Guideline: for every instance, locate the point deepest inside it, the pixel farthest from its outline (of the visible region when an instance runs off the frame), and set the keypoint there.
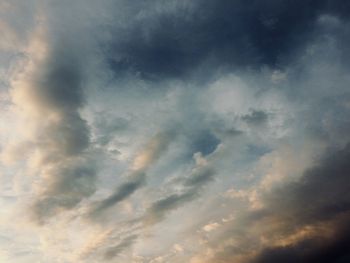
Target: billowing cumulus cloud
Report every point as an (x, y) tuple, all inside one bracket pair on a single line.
[(174, 131)]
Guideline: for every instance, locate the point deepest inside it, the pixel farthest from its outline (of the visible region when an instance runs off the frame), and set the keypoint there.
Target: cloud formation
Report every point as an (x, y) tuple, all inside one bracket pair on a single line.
[(137, 176), (176, 40), (174, 131), (49, 92), (320, 197)]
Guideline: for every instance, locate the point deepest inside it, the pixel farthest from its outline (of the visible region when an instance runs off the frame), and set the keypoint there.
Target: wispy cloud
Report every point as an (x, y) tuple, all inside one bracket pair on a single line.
[(174, 131)]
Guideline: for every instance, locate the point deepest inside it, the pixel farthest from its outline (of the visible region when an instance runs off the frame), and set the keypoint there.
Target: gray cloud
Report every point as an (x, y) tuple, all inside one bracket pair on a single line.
[(311, 250), (64, 142), (230, 82), (114, 251), (122, 192), (175, 42), (256, 117), (322, 190), (69, 182), (107, 127), (51, 91), (199, 178), (318, 201), (17, 20), (320, 196), (137, 178), (193, 185), (158, 210)]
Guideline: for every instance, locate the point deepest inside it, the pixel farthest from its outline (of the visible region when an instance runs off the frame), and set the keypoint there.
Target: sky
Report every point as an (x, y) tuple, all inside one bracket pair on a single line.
[(175, 131)]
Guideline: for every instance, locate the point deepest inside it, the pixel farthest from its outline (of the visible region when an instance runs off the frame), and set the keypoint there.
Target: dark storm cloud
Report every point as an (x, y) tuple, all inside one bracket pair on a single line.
[(233, 34), (321, 194), (320, 198), (335, 250)]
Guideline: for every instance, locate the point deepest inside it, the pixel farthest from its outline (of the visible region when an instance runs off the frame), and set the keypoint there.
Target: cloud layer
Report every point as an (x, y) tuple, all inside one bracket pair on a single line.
[(175, 131)]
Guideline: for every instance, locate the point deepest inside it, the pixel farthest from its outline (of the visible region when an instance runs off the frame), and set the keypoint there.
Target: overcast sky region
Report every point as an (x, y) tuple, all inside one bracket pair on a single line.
[(175, 131)]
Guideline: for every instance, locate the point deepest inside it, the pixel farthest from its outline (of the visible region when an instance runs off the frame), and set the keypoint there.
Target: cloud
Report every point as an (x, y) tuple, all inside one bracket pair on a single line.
[(210, 227), (157, 211), (122, 192), (67, 184), (178, 39), (320, 197), (107, 127), (184, 131), (256, 117), (124, 244), (151, 152), (305, 220), (322, 190), (199, 177), (49, 92), (16, 22), (310, 251), (192, 184)]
